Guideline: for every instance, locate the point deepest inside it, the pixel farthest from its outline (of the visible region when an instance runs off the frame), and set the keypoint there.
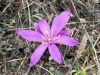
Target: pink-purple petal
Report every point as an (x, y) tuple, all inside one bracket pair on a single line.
[(60, 21), (36, 26), (44, 27), (66, 32), (30, 35), (55, 54), (36, 55), (66, 40)]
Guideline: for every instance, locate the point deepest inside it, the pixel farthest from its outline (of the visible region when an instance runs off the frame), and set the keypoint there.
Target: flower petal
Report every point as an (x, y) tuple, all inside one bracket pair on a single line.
[(66, 32), (30, 35), (66, 40), (55, 54), (37, 54), (36, 25), (60, 21), (44, 27)]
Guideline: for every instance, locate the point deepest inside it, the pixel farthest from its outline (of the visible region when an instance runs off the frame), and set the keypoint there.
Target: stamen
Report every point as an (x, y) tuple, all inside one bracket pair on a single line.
[(58, 36), (42, 42), (42, 37), (49, 39), (52, 31)]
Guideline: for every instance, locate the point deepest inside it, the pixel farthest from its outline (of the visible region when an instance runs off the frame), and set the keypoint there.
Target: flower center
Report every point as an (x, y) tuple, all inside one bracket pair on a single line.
[(46, 40), (49, 39)]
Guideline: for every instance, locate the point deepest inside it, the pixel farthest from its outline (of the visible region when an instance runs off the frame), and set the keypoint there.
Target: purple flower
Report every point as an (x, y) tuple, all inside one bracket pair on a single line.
[(49, 36)]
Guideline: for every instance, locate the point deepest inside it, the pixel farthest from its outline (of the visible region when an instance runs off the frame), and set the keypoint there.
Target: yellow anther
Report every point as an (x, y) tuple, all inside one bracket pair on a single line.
[(42, 42), (49, 39), (52, 31), (42, 37), (58, 36)]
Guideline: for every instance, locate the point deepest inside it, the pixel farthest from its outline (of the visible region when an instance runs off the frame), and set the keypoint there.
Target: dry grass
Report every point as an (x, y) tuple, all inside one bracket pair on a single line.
[(21, 14)]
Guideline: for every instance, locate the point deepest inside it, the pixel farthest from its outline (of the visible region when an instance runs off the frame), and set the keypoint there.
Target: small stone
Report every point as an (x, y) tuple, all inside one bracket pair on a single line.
[(50, 58)]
